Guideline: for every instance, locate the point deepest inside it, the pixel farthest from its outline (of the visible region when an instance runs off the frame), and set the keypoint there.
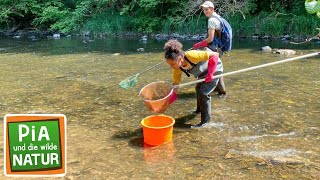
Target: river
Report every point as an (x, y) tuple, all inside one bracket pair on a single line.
[(267, 127)]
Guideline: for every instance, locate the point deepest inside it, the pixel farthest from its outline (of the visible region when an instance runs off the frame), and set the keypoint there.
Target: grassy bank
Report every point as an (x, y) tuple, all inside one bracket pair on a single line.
[(273, 25), (262, 24)]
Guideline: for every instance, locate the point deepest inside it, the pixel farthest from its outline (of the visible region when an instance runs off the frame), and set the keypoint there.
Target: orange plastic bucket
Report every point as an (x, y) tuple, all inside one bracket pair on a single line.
[(157, 129)]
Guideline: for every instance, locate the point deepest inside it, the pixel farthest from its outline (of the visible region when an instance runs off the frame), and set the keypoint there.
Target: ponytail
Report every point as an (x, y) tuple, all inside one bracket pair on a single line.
[(173, 49)]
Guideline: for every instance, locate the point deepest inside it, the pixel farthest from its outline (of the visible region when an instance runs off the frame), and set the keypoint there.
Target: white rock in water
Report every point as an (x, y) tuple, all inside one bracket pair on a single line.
[(140, 50), (295, 160), (266, 49), (56, 36), (285, 51), (266, 37), (144, 38)]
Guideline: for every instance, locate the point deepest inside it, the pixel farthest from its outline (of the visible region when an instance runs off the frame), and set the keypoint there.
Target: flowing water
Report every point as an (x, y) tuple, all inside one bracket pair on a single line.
[(267, 127)]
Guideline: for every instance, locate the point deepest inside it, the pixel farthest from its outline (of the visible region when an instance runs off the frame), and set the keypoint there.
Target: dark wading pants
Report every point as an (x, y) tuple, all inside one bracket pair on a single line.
[(203, 91), (220, 88)]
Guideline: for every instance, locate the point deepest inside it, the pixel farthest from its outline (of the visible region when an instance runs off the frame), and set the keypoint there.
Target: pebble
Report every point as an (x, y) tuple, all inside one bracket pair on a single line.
[(140, 49)]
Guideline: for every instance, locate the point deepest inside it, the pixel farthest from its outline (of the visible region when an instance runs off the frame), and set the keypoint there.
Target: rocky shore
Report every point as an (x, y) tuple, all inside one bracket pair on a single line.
[(36, 34)]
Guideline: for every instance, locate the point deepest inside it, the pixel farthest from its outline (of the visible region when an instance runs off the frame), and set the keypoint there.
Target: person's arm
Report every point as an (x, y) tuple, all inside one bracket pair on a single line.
[(176, 76), (205, 42), (210, 35), (212, 65), (176, 80), (213, 25)]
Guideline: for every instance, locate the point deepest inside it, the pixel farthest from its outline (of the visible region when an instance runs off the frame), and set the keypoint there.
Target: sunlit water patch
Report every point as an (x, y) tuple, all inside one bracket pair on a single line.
[(252, 138)]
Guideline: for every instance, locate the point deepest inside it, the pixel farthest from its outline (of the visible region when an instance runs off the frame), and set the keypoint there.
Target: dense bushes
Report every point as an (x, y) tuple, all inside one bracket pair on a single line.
[(275, 25), (265, 17)]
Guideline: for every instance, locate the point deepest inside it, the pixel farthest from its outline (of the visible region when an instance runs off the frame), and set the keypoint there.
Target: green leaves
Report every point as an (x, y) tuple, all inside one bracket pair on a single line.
[(149, 4), (116, 16)]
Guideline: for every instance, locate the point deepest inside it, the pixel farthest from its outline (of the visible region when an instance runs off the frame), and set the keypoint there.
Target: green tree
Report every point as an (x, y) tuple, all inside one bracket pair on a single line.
[(148, 16)]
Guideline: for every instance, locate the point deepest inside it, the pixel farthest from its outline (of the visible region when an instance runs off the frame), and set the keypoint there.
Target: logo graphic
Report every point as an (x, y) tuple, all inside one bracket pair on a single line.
[(35, 144)]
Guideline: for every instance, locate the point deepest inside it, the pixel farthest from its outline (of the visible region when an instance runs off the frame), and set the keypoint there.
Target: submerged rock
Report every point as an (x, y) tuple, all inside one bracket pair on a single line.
[(230, 155), (287, 160), (285, 51), (268, 49)]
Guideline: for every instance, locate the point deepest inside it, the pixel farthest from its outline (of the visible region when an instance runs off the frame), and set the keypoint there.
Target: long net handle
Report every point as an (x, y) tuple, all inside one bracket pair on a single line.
[(155, 65), (250, 68), (151, 67)]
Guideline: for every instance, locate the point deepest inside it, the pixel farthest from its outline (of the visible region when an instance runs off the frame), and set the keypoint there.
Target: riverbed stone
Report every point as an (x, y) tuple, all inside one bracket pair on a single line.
[(230, 155), (144, 38), (140, 49), (266, 49), (284, 51), (287, 160), (287, 37), (266, 37), (56, 36)]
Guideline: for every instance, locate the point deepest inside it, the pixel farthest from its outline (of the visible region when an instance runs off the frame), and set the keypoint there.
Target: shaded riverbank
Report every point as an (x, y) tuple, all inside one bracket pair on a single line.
[(35, 34)]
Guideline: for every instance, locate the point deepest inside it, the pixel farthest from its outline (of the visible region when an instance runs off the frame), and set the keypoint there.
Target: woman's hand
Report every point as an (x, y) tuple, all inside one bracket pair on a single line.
[(200, 44), (175, 90)]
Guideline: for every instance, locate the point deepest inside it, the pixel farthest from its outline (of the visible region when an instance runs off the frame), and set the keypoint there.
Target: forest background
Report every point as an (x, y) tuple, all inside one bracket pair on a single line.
[(116, 17)]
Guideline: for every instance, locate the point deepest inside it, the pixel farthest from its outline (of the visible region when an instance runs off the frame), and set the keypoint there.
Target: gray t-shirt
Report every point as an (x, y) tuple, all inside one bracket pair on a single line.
[(201, 69), (214, 23)]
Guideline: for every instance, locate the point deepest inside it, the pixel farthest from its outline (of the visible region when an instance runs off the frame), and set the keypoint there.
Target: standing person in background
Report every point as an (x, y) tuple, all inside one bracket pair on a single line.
[(214, 30), (202, 64)]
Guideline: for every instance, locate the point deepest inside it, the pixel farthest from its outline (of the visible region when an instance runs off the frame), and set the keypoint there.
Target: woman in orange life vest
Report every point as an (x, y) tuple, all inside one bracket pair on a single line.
[(214, 27), (202, 64)]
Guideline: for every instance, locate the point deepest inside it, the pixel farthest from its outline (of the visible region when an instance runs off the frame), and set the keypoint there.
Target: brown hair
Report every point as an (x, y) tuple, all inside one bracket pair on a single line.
[(173, 49)]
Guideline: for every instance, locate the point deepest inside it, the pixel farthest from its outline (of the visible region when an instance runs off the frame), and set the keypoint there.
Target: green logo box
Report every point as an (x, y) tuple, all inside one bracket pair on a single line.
[(35, 144)]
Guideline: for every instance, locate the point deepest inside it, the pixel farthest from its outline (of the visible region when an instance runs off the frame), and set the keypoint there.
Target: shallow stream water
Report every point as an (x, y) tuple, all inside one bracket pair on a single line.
[(267, 127)]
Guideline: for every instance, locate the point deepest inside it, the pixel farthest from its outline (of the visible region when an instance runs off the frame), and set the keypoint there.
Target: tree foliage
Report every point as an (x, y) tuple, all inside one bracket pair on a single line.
[(139, 15)]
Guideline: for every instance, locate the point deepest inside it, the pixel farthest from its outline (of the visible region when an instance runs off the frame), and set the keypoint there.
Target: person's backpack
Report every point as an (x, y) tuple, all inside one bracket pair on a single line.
[(225, 41)]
